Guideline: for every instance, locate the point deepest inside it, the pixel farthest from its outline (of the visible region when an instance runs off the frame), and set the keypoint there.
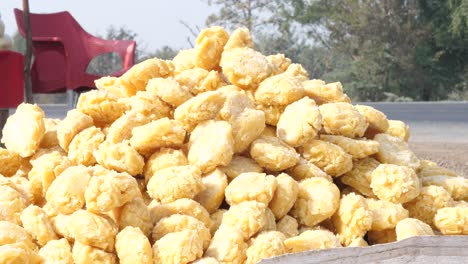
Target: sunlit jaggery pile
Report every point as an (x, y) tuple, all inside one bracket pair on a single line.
[(222, 155)]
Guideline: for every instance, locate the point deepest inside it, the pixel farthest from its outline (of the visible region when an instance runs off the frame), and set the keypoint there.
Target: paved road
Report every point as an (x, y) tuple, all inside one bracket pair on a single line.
[(441, 122)]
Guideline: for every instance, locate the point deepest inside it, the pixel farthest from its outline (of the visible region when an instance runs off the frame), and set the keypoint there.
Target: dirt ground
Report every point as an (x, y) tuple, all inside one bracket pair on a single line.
[(449, 155)]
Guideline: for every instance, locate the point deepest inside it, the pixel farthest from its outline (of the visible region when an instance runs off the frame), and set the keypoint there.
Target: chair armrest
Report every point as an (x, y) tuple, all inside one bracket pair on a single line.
[(47, 39), (125, 49)]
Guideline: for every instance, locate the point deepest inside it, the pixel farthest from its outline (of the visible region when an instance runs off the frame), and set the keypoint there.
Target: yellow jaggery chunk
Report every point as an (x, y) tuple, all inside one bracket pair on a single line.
[(169, 91), (67, 191), (235, 103), (358, 148), (136, 214), (325, 93), (12, 204), (396, 184), (191, 208), (300, 121), (343, 119), (37, 223), (24, 130), (183, 206), (411, 227), (110, 84), (11, 233), (206, 260), (381, 237), (93, 230), (393, 150), (19, 184), (318, 199), (398, 129), (17, 253), (209, 46), (249, 217), (273, 154), (285, 195), (132, 246), (50, 139), (184, 60), (329, 157), (57, 251), (298, 71), (266, 245), (378, 122), (452, 220), (178, 248), (240, 38), (157, 134), (310, 240), (212, 196), (272, 113), (460, 204), (149, 105), (74, 122), (202, 107), (430, 168), (270, 221), (425, 206), (385, 214), (251, 186), (105, 193), (245, 67), (456, 186), (358, 242), (172, 183), (288, 226), (211, 145), (47, 165), (199, 80), (239, 165), (216, 218), (103, 107), (305, 169), (279, 62), (164, 158), (246, 127), (11, 162), (83, 254), (137, 77), (179, 222), (228, 246), (360, 176), (83, 145), (61, 223), (121, 129), (281, 89), (353, 218), (120, 157)]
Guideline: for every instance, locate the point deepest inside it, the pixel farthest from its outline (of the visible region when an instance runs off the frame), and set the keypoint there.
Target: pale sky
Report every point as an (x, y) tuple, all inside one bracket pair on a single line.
[(155, 21)]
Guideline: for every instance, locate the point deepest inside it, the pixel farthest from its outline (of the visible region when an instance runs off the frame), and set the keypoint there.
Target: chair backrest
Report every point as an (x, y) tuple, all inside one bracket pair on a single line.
[(11, 79), (59, 26), (57, 38)]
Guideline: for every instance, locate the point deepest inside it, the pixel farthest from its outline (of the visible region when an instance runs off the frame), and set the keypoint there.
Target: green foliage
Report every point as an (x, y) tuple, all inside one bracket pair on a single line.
[(252, 14), (380, 50)]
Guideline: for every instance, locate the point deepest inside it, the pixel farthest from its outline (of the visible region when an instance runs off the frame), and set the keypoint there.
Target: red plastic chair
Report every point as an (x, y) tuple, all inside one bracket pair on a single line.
[(11, 79), (62, 50)]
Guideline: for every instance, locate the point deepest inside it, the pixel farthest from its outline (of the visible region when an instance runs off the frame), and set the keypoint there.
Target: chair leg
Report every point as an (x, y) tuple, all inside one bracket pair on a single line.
[(71, 98), (4, 113)]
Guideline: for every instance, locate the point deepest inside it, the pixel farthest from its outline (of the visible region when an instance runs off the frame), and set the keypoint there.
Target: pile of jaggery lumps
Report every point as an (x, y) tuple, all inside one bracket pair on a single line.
[(222, 155)]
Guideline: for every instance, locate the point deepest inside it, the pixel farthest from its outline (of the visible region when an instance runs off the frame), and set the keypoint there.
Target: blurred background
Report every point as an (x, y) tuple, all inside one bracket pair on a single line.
[(390, 50)]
